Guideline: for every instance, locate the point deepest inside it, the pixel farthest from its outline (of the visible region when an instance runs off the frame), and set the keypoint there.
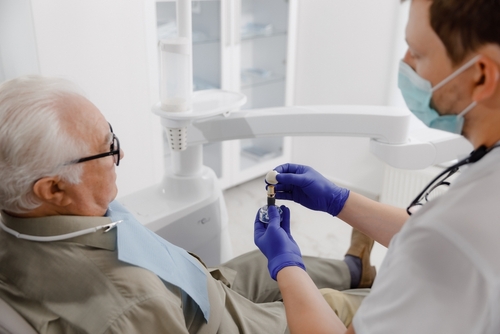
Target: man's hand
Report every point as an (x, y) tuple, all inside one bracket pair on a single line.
[(276, 243), (304, 185)]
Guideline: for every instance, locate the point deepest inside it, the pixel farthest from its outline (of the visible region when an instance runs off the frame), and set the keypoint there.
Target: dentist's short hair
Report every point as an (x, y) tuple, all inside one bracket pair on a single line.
[(33, 140), (465, 26)]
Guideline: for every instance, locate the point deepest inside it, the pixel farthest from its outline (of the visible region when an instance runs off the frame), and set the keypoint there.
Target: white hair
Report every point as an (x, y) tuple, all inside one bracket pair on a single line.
[(33, 141)]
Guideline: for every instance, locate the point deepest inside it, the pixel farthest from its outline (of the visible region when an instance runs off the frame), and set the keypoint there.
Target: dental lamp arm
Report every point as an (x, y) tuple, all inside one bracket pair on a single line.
[(387, 124), (388, 127)]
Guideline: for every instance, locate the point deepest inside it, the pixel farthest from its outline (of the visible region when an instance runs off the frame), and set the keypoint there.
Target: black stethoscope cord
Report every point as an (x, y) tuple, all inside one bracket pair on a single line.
[(475, 156)]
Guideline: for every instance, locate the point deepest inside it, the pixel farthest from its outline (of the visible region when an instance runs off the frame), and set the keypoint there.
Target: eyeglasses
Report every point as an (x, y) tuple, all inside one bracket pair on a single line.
[(114, 151), (440, 180)]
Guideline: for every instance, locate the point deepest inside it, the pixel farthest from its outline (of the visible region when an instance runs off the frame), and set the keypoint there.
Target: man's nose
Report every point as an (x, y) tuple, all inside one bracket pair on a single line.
[(408, 59)]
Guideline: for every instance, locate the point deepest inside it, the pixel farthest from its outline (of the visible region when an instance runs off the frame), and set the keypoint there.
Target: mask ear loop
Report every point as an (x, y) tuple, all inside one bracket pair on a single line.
[(456, 73), (469, 108)]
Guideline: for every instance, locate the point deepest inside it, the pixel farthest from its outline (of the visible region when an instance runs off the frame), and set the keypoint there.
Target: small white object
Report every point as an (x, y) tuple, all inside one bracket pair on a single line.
[(271, 177), (177, 138), (205, 104), (264, 215), (175, 75)]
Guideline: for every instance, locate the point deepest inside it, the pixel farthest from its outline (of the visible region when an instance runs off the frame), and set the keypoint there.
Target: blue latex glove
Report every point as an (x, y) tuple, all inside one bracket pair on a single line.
[(304, 185), (276, 243)]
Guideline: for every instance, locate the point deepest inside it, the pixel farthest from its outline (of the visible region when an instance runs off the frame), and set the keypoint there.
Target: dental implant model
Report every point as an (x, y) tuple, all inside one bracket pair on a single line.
[(271, 197)]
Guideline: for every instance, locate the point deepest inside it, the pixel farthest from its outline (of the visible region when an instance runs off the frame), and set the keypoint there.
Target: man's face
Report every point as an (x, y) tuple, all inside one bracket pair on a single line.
[(97, 187), (427, 56)]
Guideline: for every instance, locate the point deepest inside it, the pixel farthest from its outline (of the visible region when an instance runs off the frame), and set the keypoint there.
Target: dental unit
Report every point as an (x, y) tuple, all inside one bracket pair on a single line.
[(187, 207)]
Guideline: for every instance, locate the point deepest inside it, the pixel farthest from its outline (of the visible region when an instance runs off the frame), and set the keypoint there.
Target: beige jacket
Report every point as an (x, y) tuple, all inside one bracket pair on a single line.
[(79, 286)]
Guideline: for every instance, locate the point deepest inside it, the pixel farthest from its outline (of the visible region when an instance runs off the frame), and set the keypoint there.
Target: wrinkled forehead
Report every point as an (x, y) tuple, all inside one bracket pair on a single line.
[(82, 119)]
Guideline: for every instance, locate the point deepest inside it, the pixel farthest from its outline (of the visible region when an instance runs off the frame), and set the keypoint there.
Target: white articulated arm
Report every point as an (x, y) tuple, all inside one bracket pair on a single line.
[(387, 124), (388, 127), (424, 147)]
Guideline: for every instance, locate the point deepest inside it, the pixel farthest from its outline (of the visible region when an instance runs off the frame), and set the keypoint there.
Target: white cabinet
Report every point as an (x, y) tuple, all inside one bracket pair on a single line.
[(246, 46)]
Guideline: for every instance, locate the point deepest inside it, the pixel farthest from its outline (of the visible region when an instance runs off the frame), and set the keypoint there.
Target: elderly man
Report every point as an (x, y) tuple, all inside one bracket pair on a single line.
[(70, 256), (441, 273)]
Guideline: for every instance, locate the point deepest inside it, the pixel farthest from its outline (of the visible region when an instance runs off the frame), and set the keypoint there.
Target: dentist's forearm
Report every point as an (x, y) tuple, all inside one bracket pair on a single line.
[(306, 309), (379, 221)]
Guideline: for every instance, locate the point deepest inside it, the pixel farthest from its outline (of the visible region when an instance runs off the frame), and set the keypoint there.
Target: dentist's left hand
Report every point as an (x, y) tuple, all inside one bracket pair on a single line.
[(276, 242)]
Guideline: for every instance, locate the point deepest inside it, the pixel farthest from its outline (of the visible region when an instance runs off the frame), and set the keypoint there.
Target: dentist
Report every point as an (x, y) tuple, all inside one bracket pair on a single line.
[(441, 273)]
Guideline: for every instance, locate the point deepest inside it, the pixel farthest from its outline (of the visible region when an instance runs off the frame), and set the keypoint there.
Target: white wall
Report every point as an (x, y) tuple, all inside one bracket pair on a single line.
[(18, 55), (346, 55), (101, 45)]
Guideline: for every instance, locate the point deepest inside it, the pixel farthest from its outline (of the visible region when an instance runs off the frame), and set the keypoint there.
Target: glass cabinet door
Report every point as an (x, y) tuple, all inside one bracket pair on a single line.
[(206, 21), (238, 45), (264, 39)]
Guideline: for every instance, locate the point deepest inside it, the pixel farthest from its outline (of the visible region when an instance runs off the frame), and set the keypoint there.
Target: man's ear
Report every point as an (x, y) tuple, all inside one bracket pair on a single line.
[(486, 78), (51, 190)]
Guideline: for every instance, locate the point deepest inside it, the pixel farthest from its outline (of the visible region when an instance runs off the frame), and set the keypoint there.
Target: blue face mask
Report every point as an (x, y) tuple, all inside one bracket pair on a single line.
[(417, 93)]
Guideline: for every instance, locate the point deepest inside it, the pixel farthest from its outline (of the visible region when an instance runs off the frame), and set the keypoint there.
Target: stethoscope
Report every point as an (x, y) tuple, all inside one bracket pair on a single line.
[(473, 157)]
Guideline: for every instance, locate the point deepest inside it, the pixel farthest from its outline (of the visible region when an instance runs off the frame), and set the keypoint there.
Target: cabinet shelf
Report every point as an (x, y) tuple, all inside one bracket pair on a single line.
[(193, 1), (207, 41), (256, 81), (252, 77), (168, 30), (253, 36), (256, 153), (200, 84)]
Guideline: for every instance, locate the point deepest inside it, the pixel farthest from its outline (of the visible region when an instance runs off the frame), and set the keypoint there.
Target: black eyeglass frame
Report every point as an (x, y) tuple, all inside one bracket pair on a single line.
[(419, 200), (103, 155), (473, 157)]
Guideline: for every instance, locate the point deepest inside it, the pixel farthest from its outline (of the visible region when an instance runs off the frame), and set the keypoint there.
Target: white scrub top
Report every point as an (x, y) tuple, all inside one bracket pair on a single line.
[(441, 273)]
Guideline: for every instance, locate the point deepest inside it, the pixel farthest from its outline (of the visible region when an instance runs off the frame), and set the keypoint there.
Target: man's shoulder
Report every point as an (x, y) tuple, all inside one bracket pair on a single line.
[(50, 276)]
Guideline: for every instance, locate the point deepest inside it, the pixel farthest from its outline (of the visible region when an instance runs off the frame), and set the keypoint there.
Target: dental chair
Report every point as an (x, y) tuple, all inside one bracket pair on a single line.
[(11, 322)]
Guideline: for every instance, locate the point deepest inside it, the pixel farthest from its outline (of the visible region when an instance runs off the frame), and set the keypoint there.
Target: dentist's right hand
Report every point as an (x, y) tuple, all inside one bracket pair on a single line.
[(304, 185)]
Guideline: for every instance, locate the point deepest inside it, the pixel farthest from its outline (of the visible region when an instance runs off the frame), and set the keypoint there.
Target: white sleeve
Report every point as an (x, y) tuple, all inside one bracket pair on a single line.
[(428, 285)]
